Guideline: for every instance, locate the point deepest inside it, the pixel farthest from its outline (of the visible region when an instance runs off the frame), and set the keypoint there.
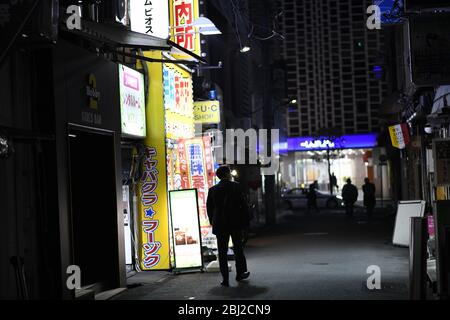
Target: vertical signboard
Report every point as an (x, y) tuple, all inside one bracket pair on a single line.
[(132, 102), (183, 13), (441, 149), (150, 17), (186, 229), (178, 102), (197, 172), (154, 243)]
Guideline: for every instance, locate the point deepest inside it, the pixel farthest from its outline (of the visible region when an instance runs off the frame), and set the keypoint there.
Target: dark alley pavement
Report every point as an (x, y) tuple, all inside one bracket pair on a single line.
[(320, 256)]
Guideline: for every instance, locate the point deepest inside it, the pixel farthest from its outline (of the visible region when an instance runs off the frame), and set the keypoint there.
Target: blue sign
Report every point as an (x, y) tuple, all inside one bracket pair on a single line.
[(354, 141), (391, 10)]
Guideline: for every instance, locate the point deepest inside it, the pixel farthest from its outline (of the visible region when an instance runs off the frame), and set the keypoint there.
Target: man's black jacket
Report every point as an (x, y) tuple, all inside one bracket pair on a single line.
[(227, 207)]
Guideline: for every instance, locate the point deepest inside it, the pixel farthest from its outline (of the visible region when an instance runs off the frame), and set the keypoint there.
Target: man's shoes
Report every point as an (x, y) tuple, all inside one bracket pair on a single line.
[(225, 283), (242, 276)]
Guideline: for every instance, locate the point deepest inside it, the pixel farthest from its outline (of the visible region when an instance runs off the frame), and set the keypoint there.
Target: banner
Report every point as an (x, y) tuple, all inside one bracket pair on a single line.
[(186, 229), (154, 245), (399, 135), (207, 112), (183, 13)]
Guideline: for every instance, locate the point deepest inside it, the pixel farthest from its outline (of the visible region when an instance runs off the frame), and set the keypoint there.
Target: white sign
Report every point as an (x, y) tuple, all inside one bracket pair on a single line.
[(132, 102), (150, 17), (405, 211), (317, 144), (186, 229)]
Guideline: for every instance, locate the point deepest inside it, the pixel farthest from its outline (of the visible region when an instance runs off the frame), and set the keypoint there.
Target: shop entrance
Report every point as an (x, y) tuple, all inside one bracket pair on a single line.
[(93, 207)]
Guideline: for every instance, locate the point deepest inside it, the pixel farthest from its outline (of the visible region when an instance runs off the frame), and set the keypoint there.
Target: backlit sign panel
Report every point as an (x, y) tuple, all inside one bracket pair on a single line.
[(132, 102), (355, 141), (150, 17)]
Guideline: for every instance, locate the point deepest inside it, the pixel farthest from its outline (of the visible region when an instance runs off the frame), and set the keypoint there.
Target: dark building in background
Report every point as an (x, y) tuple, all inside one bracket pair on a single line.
[(334, 66), (245, 83)]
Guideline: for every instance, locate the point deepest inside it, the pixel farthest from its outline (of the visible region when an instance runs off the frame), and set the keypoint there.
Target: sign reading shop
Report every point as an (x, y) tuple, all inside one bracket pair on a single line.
[(150, 17)]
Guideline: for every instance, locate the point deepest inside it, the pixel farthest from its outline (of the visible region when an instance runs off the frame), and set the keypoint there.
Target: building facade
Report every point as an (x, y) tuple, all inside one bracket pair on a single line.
[(334, 66)]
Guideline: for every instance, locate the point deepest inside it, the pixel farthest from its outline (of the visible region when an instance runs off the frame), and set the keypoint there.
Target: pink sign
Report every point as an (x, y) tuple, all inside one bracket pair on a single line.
[(130, 81), (431, 230)]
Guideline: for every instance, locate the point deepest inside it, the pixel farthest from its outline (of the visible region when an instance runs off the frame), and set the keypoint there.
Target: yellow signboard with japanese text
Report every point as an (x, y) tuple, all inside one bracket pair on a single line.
[(154, 241), (178, 102), (183, 13), (207, 112)]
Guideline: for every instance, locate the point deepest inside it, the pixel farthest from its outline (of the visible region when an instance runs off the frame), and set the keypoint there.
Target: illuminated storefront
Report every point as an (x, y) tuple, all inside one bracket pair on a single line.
[(350, 156), (175, 157)]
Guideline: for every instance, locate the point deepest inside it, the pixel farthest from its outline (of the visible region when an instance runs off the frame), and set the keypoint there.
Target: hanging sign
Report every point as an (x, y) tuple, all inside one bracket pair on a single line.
[(150, 17), (207, 112), (132, 102), (183, 15), (399, 135)]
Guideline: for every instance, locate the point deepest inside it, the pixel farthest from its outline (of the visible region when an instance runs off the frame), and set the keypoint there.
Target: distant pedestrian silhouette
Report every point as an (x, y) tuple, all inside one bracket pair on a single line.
[(349, 195), (229, 216), (312, 197), (333, 182), (369, 197)]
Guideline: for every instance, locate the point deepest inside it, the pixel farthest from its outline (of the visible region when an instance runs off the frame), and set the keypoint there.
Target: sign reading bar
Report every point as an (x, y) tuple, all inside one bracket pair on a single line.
[(186, 229), (132, 102), (207, 112), (150, 17)]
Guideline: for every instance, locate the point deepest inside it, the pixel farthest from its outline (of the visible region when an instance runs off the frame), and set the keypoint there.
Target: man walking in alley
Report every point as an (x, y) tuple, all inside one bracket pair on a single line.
[(369, 197), (349, 195), (228, 214)]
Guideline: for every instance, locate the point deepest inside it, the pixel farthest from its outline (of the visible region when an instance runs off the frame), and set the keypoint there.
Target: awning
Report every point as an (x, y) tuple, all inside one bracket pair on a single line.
[(442, 98), (116, 36), (440, 113)]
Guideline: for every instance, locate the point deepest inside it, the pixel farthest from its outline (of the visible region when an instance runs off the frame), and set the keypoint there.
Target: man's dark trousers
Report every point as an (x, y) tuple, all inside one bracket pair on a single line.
[(222, 245)]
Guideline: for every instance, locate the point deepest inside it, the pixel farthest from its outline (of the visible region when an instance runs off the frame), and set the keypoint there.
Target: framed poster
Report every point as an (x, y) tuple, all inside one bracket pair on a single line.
[(187, 246)]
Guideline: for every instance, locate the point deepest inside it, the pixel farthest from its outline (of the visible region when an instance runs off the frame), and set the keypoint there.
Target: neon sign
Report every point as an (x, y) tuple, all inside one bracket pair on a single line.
[(354, 141)]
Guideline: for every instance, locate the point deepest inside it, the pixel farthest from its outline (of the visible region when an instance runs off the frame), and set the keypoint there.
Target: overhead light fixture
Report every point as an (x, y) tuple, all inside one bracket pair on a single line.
[(205, 27), (293, 101), (245, 49), (209, 31), (203, 22)]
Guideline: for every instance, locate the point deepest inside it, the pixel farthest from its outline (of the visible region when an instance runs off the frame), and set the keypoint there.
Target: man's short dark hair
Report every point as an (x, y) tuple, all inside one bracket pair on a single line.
[(223, 172)]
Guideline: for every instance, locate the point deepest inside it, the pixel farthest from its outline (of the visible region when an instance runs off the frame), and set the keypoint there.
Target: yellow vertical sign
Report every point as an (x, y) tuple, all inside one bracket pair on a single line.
[(154, 244), (393, 134), (183, 13)]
